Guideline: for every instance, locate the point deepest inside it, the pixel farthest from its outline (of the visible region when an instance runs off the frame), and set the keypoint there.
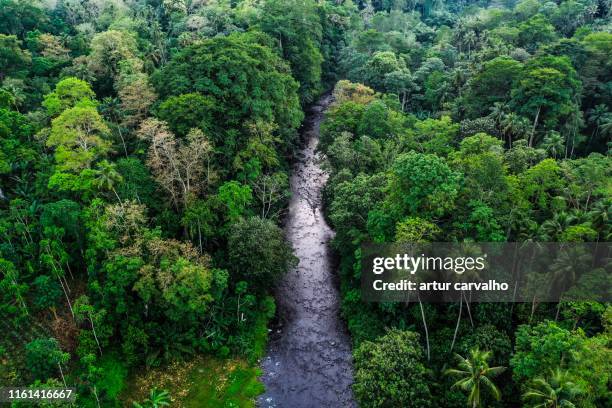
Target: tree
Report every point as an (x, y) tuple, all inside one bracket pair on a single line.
[(546, 92), (415, 229), (435, 136), (272, 191), (12, 57), (258, 252), (352, 200), (535, 32), (44, 357), (408, 193), (491, 85), (47, 292), (556, 390), (235, 199), (79, 136), (137, 96), (11, 290), (83, 310), (107, 177), (541, 348), (296, 26), (182, 168), (475, 377), (18, 17), (389, 372), (349, 91), (553, 143), (378, 66), (68, 93), (400, 82), (112, 52), (247, 81), (187, 111)]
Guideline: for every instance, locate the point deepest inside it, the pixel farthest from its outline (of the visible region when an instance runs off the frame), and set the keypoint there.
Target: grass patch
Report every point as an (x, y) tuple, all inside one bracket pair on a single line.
[(225, 383), (205, 382)]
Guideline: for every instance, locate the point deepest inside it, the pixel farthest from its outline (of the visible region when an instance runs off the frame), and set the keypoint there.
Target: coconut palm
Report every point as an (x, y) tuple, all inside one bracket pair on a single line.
[(513, 126), (498, 111), (107, 177), (599, 216), (555, 391), (470, 40), (553, 227), (605, 128), (475, 377), (553, 143), (597, 116)]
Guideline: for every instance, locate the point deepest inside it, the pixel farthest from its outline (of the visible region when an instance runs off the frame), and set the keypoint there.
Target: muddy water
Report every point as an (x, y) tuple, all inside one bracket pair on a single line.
[(309, 357)]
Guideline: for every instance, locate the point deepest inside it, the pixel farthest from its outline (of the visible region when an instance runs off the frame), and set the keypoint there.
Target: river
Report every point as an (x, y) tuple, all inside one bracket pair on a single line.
[(309, 354)]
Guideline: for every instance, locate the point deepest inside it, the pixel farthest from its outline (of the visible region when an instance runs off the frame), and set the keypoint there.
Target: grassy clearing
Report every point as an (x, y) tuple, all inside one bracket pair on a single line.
[(205, 382)]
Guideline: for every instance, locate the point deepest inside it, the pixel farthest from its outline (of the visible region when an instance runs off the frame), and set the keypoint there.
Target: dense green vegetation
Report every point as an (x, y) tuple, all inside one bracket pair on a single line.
[(144, 157), (465, 123)]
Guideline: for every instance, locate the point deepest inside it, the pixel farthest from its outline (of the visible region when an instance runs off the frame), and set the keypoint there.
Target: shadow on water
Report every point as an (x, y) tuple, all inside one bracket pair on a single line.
[(309, 354)]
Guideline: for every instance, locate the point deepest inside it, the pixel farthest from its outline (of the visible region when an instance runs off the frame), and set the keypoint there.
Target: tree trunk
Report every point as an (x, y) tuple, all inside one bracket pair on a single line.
[(93, 329), (117, 195), (425, 326), (122, 141), (66, 294), (62, 373), (96, 395), (199, 236), (467, 305), (458, 322), (535, 123)]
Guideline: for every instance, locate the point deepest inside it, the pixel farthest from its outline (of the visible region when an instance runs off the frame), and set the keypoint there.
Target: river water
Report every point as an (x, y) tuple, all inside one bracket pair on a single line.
[(309, 355)]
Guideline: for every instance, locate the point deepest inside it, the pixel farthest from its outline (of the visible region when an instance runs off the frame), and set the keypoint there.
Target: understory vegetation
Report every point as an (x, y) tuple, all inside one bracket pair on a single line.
[(145, 150)]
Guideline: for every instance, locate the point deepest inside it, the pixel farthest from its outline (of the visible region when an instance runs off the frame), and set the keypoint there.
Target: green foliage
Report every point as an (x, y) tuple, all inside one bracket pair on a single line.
[(421, 184), (235, 199), (47, 292), (390, 372), (44, 357), (296, 25), (475, 377), (541, 348), (68, 93), (258, 253), (114, 376), (12, 57), (485, 121), (555, 390), (245, 80), (492, 84), (184, 112), (79, 136)]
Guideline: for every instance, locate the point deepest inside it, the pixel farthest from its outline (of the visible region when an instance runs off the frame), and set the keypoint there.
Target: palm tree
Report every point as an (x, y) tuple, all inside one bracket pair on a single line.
[(597, 117), (599, 216), (606, 125), (553, 143), (556, 391), (553, 227), (107, 177), (513, 126), (157, 398), (470, 39), (476, 376), (498, 111)]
